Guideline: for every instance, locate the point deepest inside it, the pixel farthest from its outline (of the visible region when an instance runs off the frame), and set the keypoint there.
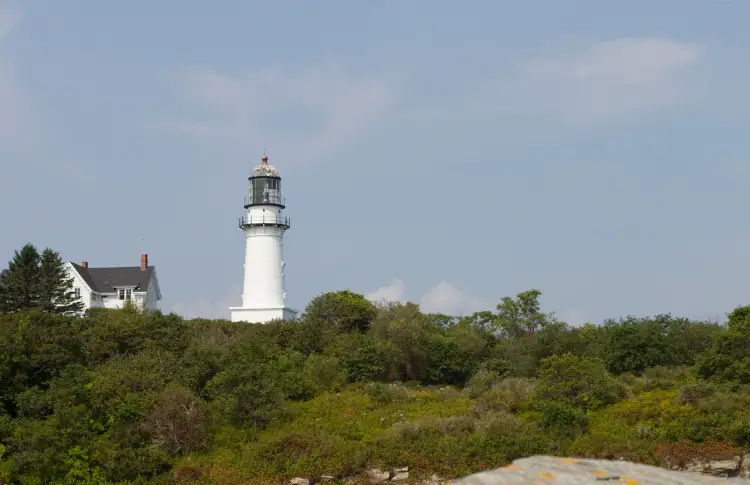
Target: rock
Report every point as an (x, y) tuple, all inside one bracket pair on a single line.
[(299, 481), (326, 478), (718, 468), (569, 471), (399, 476), (724, 468), (745, 466), (376, 475)]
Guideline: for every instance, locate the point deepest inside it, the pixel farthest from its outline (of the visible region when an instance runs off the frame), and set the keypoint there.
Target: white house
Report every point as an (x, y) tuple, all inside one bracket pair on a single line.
[(111, 287)]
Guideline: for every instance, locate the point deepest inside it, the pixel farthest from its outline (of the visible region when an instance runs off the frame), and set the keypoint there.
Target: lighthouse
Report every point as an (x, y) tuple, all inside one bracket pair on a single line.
[(263, 225)]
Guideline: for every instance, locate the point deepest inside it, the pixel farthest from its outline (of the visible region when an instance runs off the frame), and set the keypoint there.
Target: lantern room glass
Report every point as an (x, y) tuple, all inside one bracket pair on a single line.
[(264, 190)]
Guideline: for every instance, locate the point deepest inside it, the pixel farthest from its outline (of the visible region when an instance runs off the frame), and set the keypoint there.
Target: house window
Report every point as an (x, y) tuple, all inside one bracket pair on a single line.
[(77, 292), (125, 294)]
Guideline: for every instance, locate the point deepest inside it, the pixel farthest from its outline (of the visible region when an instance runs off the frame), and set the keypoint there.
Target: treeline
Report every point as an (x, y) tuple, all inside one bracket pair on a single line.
[(126, 396)]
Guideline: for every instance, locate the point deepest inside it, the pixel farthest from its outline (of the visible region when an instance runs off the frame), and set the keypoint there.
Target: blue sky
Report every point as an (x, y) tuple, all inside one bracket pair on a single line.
[(448, 153)]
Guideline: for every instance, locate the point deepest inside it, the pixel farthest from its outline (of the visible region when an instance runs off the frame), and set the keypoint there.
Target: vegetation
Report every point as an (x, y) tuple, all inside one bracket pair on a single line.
[(133, 397), (33, 280)]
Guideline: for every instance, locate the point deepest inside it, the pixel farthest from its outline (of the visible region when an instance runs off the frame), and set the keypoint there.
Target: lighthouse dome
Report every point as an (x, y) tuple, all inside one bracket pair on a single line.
[(265, 169)]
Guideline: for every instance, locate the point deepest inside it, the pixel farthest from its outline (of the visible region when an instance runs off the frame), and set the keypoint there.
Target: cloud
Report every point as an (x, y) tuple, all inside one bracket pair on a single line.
[(203, 308), (295, 114), (14, 102), (603, 81), (394, 291), (447, 299), (442, 298)]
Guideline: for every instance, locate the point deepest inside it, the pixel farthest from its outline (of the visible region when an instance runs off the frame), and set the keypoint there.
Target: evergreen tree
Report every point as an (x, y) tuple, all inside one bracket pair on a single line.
[(20, 283), (56, 287), (3, 291)]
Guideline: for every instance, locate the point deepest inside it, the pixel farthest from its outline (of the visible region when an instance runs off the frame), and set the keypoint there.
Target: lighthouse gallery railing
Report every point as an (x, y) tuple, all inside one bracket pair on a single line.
[(277, 221)]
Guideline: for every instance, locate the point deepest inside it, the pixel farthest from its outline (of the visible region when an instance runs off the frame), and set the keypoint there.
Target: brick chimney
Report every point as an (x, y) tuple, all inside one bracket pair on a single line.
[(85, 265), (144, 261)]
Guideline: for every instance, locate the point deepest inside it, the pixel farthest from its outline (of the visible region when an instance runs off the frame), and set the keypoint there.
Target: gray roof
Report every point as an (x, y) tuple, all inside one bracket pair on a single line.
[(105, 280)]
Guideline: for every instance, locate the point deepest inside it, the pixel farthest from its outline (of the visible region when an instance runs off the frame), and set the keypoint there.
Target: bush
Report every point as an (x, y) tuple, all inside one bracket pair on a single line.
[(343, 310), (178, 422), (510, 395), (677, 455), (728, 360), (325, 373), (581, 382), (386, 394), (562, 420), (482, 382), (693, 393)]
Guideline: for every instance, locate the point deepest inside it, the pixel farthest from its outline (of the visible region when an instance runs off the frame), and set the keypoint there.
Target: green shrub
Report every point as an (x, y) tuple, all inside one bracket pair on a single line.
[(562, 420), (386, 394), (511, 394), (581, 382), (325, 372), (482, 382)]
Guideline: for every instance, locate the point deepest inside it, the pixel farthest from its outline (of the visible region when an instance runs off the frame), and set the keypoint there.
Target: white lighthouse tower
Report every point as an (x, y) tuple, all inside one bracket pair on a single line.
[(263, 296)]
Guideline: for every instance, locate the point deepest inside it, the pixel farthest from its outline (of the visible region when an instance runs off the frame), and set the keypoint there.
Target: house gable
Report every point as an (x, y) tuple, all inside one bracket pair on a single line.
[(155, 284), (79, 273)]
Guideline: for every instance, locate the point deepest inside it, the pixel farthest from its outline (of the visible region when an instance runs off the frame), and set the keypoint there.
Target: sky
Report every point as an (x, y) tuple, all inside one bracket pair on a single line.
[(446, 153)]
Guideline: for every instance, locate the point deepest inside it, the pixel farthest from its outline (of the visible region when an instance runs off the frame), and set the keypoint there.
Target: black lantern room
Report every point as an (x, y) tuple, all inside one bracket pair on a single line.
[(264, 186)]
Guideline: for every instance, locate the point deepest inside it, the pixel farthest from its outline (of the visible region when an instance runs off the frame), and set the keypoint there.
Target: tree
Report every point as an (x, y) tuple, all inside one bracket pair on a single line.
[(728, 359), (3, 291), (344, 310), (56, 288), (178, 422), (33, 281), (20, 283), (407, 331), (522, 315), (581, 382), (633, 344)]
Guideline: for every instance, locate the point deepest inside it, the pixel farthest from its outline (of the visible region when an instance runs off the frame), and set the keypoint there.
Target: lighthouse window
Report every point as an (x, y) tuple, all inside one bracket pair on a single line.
[(264, 190)]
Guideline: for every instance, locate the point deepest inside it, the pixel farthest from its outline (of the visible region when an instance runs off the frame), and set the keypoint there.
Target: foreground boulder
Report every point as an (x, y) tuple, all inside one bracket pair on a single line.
[(563, 471)]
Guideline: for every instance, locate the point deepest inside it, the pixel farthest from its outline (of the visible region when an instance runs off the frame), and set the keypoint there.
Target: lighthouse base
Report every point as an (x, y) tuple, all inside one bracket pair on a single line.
[(261, 315)]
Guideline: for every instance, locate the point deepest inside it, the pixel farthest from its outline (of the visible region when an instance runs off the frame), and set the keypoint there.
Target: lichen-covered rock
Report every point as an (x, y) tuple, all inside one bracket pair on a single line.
[(376, 475), (717, 468), (566, 471), (745, 466)]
